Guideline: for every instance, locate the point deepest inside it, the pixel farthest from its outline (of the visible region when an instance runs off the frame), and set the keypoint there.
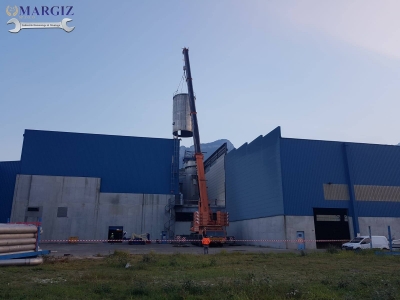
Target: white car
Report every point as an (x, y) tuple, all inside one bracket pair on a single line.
[(364, 242)]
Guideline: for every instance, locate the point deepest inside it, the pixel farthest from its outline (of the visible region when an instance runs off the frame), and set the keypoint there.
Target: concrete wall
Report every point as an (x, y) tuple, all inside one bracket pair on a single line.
[(216, 182), (300, 223), (350, 221), (138, 213), (89, 212), (270, 228), (379, 226), (78, 194)]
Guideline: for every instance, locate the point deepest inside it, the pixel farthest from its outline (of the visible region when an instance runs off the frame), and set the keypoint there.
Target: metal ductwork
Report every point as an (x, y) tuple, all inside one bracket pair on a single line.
[(22, 262), (16, 236), (17, 228), (19, 245), (17, 241), (17, 248)]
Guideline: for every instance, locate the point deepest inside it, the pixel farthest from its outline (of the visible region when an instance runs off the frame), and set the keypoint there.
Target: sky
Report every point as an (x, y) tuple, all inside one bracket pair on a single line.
[(324, 70)]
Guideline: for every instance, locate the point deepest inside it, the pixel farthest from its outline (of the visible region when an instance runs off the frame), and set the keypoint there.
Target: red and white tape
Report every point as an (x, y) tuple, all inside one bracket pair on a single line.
[(183, 241)]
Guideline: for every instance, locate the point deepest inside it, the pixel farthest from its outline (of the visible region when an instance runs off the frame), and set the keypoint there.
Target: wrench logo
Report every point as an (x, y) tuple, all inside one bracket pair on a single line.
[(39, 25)]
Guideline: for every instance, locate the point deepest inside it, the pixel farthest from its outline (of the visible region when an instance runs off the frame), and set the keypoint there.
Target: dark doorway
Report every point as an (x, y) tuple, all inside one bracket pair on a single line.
[(115, 233), (331, 224)]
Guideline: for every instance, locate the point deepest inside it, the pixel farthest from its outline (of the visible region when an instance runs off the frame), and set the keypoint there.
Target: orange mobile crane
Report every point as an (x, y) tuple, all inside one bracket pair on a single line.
[(204, 221)]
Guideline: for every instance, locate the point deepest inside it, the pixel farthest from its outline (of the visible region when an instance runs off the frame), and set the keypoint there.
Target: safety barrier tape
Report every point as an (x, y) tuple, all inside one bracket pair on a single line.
[(184, 241)]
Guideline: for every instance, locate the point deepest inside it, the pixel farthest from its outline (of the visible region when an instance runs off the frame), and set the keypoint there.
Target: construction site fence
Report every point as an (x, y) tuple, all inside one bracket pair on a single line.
[(177, 241)]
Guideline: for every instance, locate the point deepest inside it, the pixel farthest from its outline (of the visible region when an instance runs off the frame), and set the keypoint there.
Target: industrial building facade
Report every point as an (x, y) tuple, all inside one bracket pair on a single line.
[(84, 184), (275, 189), (283, 189)]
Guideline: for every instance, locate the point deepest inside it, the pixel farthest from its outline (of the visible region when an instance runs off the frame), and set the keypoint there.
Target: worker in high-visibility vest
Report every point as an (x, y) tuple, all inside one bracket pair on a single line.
[(112, 238), (206, 243)]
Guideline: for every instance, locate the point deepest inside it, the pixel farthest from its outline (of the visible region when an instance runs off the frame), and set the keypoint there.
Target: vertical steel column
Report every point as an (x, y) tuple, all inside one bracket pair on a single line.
[(370, 237), (353, 204), (390, 239)]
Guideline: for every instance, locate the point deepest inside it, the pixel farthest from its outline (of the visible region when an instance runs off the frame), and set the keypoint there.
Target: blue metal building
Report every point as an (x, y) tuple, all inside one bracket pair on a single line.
[(322, 189), (8, 173), (124, 164), (134, 165)]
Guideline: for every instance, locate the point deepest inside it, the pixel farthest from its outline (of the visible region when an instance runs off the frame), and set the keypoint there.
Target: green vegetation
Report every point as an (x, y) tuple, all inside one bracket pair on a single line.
[(317, 275)]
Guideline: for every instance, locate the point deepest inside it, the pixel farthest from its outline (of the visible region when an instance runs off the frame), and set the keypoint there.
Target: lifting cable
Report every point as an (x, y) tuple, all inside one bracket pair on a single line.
[(180, 83)]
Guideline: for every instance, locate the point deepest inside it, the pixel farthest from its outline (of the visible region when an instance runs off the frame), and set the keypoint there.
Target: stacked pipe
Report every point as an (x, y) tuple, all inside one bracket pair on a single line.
[(18, 238)]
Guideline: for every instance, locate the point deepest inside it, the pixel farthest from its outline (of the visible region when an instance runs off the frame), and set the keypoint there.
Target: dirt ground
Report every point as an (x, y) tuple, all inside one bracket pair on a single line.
[(95, 249)]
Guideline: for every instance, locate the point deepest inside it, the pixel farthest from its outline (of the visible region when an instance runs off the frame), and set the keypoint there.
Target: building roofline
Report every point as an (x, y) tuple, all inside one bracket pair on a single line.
[(95, 134), (327, 141)]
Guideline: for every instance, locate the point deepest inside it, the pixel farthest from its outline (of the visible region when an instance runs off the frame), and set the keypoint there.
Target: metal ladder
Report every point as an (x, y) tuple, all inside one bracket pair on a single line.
[(170, 207), (170, 211), (175, 167)]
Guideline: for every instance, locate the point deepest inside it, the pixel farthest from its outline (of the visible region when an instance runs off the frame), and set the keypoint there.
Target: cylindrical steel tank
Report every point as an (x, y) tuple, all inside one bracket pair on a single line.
[(181, 118), (190, 186)]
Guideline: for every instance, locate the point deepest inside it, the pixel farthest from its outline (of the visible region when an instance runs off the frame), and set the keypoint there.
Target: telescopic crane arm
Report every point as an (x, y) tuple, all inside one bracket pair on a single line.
[(204, 209), (203, 219)]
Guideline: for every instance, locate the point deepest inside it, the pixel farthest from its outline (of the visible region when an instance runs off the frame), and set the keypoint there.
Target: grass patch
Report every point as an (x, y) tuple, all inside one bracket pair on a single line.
[(316, 275), (118, 259), (332, 249)]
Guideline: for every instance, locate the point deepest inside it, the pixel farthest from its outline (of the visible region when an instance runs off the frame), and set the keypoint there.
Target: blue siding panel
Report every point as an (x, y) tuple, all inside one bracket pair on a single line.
[(8, 174), (124, 164), (307, 165), (253, 179), (375, 165)]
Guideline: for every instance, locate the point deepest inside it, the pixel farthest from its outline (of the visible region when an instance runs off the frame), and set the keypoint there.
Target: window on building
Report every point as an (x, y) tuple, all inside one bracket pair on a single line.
[(33, 208), (183, 217), (62, 212)]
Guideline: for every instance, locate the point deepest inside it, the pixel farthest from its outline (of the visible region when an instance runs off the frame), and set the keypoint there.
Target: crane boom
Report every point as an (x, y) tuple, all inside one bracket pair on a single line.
[(192, 104), (203, 219)]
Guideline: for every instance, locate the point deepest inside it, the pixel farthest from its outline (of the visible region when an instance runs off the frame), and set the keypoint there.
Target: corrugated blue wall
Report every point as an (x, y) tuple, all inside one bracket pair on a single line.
[(8, 174), (253, 179), (307, 165), (124, 164), (375, 165)]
